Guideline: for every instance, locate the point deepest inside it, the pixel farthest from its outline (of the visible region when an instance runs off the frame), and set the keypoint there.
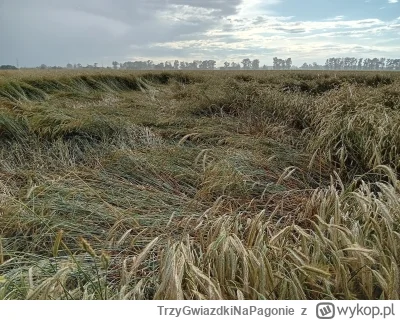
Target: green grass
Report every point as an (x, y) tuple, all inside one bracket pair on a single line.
[(199, 185)]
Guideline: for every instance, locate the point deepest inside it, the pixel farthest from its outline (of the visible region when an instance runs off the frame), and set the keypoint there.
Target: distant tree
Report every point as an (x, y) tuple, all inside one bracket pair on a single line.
[(338, 63), (128, 65), (382, 62), (350, 63), (282, 64), (150, 64), (346, 63), (235, 66), (393, 64), (8, 67), (328, 64), (226, 65), (275, 63), (43, 66), (367, 64), (288, 63), (375, 63), (137, 65), (359, 65), (196, 64), (246, 63), (115, 64), (211, 64), (159, 66), (176, 64), (255, 64), (354, 63), (168, 65), (203, 65), (304, 66), (69, 66)]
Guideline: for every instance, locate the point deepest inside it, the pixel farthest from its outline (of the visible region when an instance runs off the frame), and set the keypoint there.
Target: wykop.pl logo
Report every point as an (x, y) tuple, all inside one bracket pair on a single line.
[(325, 310)]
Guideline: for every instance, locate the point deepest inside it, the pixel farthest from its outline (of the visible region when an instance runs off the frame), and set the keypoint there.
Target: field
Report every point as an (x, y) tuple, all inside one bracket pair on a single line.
[(199, 185)]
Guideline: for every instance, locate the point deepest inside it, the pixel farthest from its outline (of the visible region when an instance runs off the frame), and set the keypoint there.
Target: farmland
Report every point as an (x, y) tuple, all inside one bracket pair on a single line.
[(199, 185)]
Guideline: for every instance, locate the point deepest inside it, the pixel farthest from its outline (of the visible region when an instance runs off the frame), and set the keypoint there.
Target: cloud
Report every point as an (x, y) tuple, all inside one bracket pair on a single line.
[(337, 18), (58, 32), (393, 1), (272, 35), (252, 8)]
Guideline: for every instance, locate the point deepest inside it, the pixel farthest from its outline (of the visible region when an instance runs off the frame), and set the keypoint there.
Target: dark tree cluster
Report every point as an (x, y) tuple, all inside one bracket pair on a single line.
[(44, 67), (349, 63), (167, 65), (8, 67), (282, 64), (247, 65)]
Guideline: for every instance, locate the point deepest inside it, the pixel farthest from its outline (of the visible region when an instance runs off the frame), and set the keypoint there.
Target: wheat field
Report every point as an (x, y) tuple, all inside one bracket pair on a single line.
[(199, 185)]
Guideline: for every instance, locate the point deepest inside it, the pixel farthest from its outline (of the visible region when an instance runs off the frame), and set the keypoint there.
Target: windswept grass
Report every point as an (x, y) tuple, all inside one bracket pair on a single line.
[(199, 185)]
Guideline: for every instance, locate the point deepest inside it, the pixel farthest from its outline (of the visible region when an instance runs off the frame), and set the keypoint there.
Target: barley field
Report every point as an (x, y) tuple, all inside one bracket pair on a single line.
[(199, 185)]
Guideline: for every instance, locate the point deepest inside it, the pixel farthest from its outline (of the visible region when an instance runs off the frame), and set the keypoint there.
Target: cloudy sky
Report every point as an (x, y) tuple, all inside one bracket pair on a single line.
[(55, 32)]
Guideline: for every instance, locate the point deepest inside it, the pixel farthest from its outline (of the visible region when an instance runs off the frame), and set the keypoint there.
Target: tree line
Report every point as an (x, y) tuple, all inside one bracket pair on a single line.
[(246, 64), (344, 63), (351, 63)]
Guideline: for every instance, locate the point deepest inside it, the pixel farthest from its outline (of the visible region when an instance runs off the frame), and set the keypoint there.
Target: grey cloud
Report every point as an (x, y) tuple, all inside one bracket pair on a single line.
[(227, 27), (225, 7), (55, 32), (259, 20), (291, 30)]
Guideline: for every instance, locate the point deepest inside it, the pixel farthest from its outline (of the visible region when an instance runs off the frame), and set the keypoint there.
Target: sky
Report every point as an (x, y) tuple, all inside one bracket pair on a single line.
[(57, 32)]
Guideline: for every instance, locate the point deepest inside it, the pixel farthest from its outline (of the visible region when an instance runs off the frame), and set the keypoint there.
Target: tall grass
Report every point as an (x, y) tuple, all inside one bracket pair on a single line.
[(208, 185)]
